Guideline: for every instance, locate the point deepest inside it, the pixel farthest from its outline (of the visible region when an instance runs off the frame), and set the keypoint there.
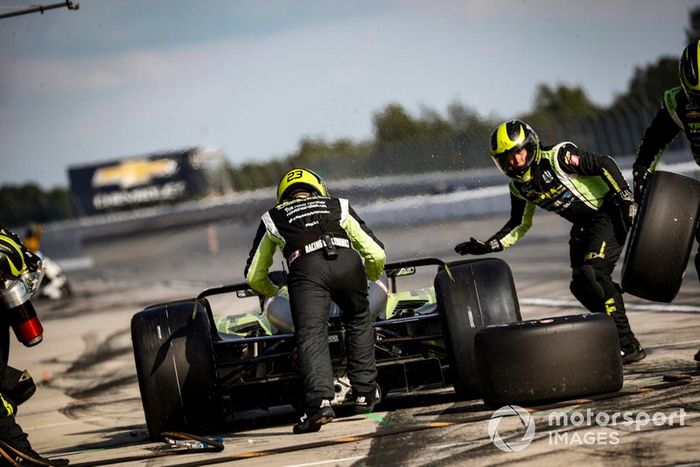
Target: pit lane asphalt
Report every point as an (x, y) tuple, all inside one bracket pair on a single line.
[(87, 406)]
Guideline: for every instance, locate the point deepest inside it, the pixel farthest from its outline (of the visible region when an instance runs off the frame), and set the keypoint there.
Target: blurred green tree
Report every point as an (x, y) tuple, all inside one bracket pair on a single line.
[(26, 204), (393, 125)]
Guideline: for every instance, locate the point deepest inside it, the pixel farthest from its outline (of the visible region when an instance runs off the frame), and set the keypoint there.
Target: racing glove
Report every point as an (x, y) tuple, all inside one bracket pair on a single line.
[(624, 201), (477, 247), (640, 176), (279, 278)]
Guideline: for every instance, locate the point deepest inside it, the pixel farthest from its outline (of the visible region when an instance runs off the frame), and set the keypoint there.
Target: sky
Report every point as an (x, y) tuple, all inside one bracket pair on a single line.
[(124, 78)]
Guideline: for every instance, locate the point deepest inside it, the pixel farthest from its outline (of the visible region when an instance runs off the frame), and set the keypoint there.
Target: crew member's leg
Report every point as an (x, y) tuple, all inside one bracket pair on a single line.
[(13, 440), (350, 293), (594, 253), (584, 285), (309, 296), (15, 388), (10, 431)]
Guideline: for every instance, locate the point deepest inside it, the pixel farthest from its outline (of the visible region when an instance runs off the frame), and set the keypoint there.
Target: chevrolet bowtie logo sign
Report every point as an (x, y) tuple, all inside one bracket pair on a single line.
[(133, 172)]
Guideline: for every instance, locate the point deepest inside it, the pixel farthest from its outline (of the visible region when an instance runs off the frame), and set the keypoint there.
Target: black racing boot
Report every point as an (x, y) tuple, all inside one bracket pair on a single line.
[(313, 419), (365, 402), (632, 354), (25, 456)]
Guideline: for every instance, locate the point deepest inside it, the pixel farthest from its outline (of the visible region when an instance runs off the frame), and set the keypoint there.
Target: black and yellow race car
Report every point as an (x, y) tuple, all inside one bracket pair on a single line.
[(204, 361)]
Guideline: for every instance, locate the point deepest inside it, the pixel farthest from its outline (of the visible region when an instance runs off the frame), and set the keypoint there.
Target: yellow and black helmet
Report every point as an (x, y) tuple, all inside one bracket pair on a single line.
[(509, 137), (12, 255), (689, 72), (300, 179)]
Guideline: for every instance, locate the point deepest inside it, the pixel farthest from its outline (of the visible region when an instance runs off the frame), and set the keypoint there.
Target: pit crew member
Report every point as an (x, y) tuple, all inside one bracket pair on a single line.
[(324, 242), (19, 278), (586, 189), (680, 111)]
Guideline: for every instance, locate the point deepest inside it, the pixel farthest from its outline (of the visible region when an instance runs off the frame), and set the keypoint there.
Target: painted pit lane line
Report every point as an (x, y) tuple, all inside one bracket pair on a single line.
[(568, 303), (331, 461), (450, 445)]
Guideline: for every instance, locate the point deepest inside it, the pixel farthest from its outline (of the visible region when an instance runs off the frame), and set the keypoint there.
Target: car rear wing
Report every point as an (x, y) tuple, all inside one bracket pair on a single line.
[(406, 267)]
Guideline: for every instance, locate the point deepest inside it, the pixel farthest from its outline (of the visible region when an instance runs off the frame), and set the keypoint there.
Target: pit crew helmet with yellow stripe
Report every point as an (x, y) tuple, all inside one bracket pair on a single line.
[(510, 137), (12, 256), (297, 180), (689, 72)]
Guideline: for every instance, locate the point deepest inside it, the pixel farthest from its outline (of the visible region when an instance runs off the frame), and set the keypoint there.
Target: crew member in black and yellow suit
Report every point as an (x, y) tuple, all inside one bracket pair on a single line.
[(680, 111), (586, 189), (18, 271), (324, 242)]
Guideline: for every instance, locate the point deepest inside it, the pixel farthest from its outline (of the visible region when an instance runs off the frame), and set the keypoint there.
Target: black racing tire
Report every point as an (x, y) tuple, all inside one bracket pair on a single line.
[(482, 293), (662, 237), (548, 359), (177, 377)]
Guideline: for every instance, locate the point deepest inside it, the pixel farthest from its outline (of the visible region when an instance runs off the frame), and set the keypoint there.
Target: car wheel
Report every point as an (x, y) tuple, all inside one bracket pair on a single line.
[(482, 293), (548, 359), (175, 367), (662, 237)]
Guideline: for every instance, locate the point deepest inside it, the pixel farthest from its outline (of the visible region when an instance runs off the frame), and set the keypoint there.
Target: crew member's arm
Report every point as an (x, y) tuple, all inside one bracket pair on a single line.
[(573, 160), (363, 240), (663, 129), (259, 262), (521, 212)]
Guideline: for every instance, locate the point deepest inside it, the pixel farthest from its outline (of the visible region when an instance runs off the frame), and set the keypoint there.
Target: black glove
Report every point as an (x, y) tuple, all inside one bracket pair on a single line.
[(624, 201), (279, 278), (476, 247), (640, 175)]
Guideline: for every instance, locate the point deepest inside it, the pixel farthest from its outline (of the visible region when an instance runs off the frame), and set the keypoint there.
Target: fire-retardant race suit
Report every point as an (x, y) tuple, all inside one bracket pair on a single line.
[(323, 241), (586, 189), (18, 275), (680, 111)]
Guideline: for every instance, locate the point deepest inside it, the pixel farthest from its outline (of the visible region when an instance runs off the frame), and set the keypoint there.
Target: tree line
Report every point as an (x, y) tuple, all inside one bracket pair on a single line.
[(404, 144)]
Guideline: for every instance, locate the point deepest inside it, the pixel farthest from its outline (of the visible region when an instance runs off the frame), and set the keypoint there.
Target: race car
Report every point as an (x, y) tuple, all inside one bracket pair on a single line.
[(203, 361)]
